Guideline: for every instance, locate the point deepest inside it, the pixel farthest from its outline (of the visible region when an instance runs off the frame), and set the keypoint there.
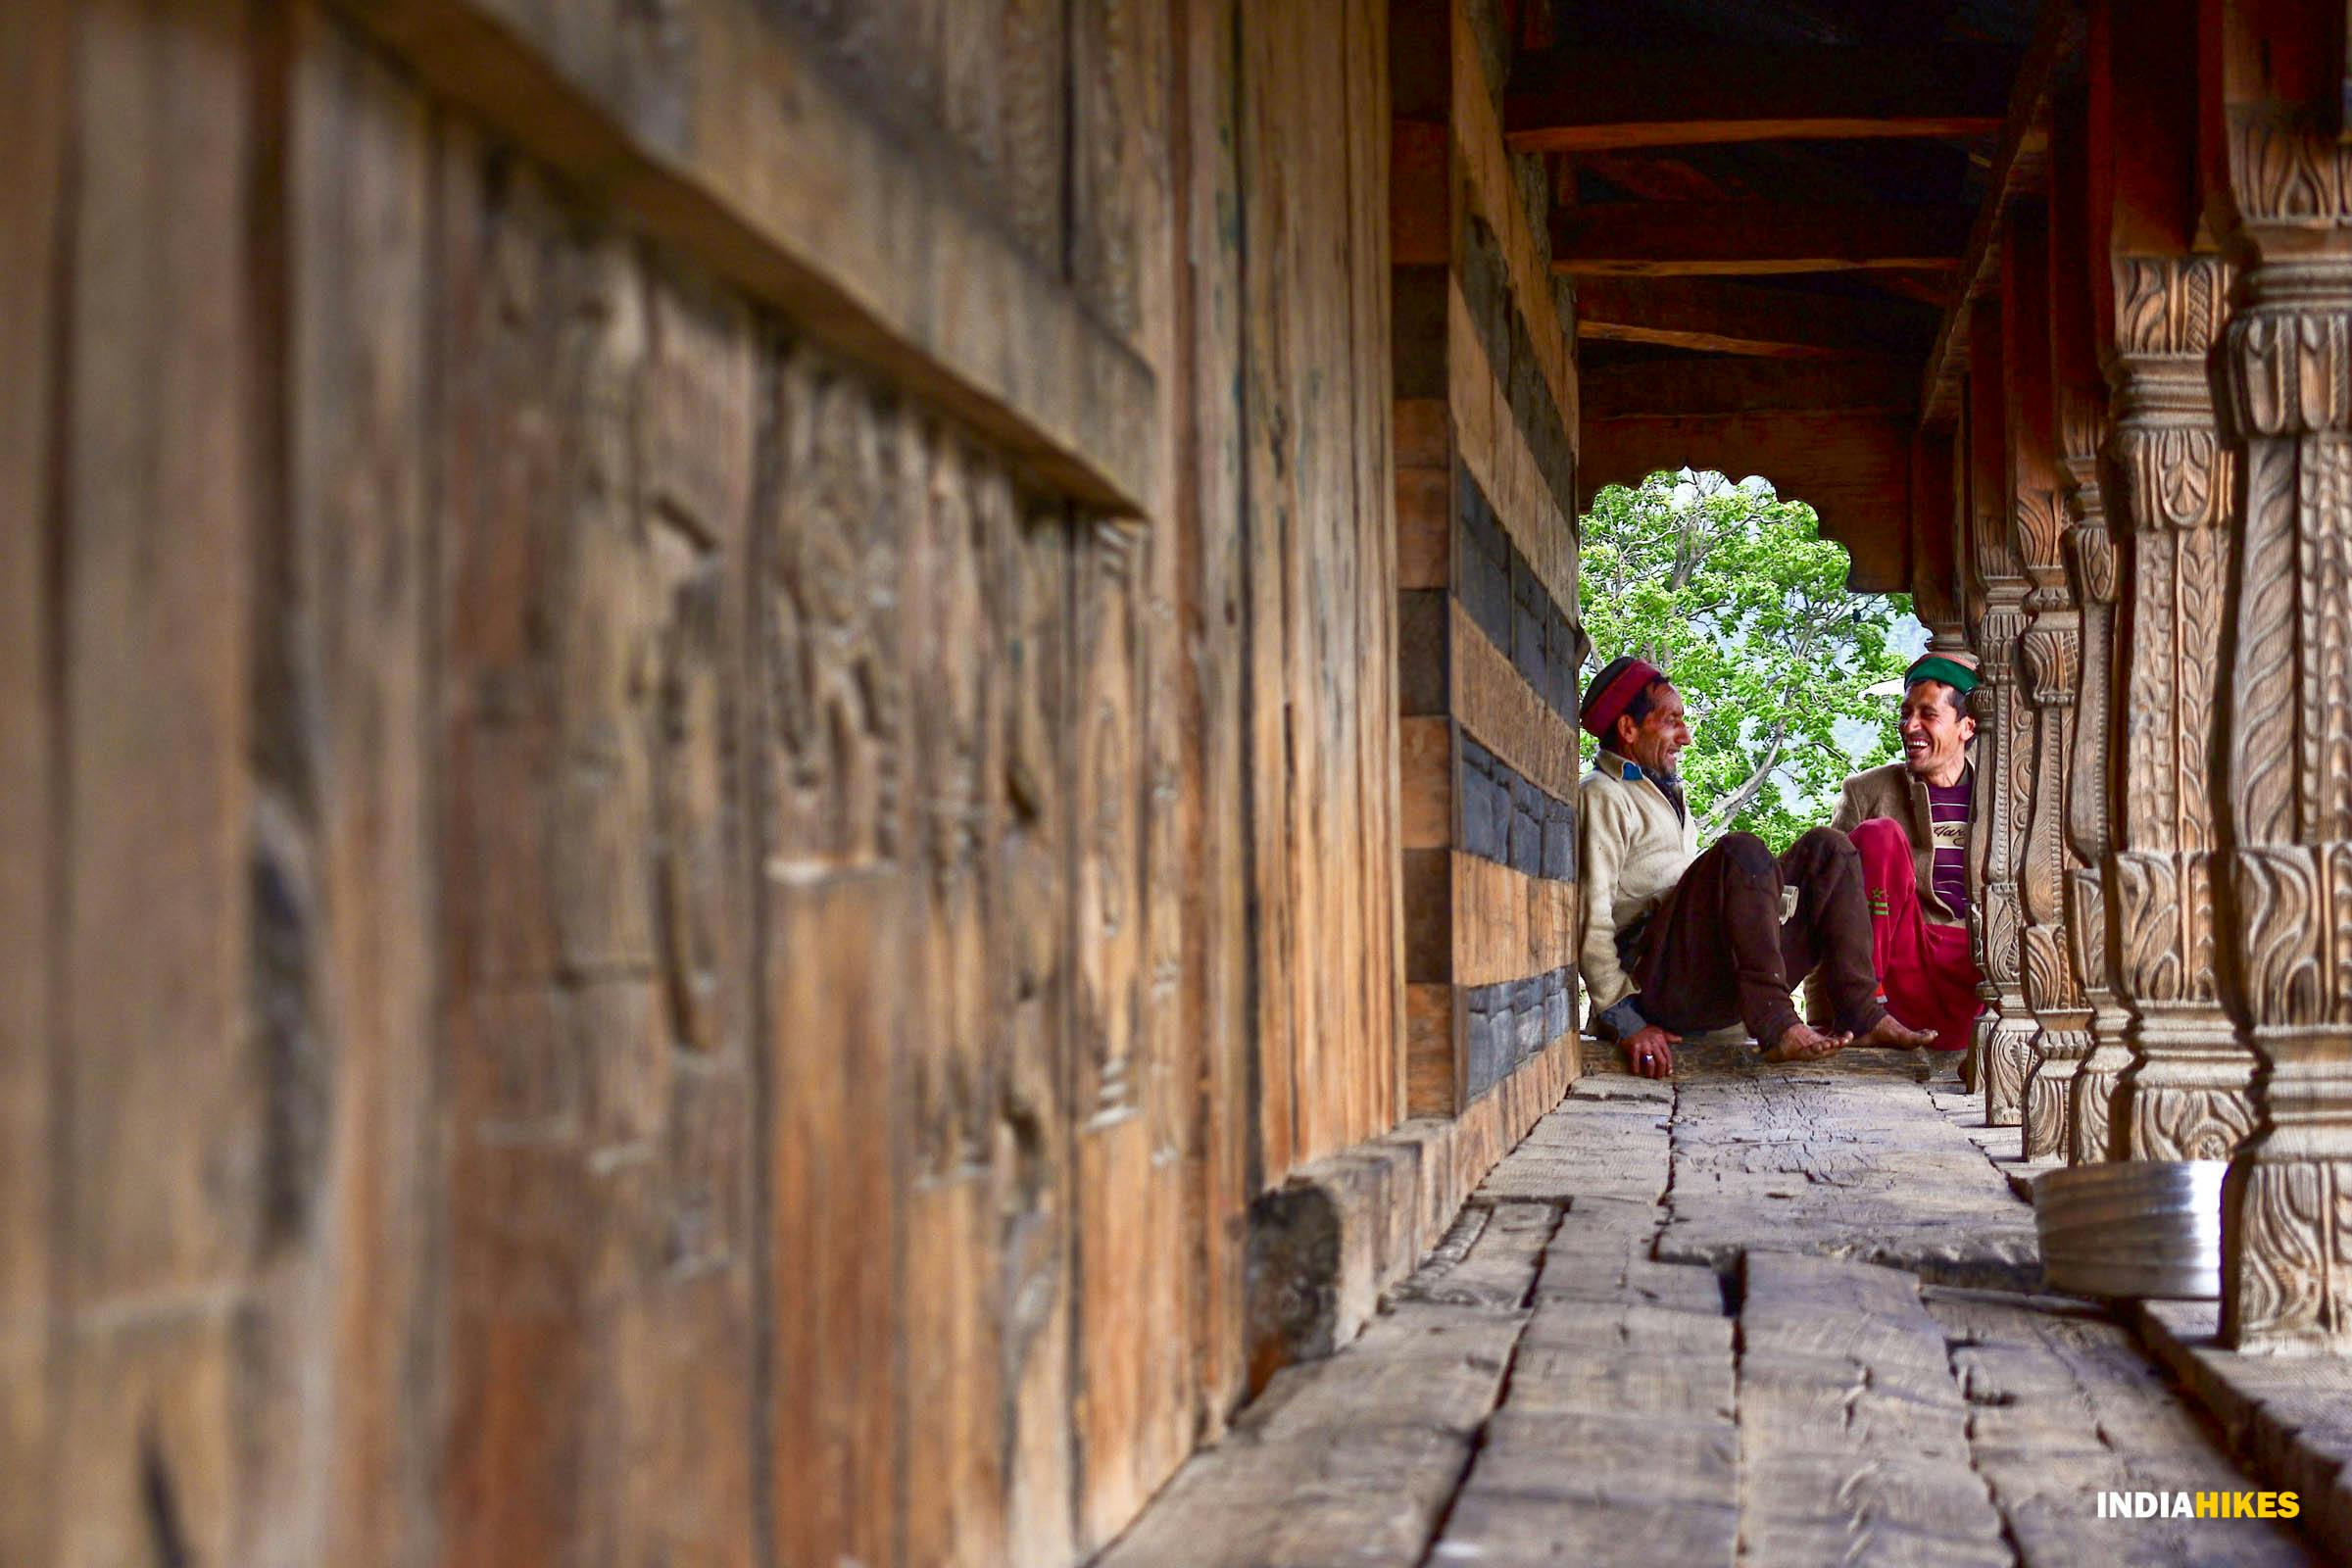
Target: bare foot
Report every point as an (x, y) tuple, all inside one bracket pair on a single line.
[(1893, 1031), (1801, 1042)]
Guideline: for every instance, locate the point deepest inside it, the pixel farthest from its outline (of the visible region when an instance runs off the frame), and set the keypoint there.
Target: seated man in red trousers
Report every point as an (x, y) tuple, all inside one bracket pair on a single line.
[(1912, 823), (1677, 941)]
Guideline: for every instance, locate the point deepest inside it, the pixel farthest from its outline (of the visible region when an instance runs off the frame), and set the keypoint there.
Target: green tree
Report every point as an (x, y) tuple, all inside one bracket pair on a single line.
[(1734, 594)]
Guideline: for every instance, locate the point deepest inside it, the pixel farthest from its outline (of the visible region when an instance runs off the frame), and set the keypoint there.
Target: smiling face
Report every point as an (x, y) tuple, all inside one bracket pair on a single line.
[(1658, 739), (1936, 733)]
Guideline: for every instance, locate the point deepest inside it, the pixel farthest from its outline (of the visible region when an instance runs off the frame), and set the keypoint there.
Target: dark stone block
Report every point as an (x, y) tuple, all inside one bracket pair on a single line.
[(1529, 601), (1529, 1013), (1478, 1052), (1485, 817), (1561, 651), (1483, 560), (1527, 827), (1559, 840)]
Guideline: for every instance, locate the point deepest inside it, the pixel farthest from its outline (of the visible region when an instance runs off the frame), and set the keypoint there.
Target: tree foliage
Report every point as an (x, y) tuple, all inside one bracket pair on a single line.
[(1734, 594)]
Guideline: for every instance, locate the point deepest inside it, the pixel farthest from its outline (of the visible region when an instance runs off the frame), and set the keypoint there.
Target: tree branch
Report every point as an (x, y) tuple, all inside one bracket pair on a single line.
[(1732, 804)]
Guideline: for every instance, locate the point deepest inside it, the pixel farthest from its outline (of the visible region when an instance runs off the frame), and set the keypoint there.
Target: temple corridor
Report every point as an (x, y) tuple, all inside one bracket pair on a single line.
[(795, 783), (1755, 1315)]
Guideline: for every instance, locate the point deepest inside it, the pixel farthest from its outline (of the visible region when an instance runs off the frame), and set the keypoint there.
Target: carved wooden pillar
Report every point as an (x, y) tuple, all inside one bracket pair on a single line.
[(2287, 768), (2004, 737), (2090, 560), (2184, 1095), (2048, 661), (2079, 417), (2051, 663)]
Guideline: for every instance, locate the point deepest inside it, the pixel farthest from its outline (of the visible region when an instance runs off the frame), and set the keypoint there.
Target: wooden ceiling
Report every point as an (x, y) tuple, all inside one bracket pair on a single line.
[(1777, 214)]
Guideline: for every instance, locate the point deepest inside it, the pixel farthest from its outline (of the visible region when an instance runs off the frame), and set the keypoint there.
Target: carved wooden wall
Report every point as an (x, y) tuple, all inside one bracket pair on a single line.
[(697, 887)]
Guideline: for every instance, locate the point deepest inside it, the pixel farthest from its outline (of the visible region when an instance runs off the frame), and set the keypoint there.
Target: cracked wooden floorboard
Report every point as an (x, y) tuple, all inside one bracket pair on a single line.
[(1630, 1351)]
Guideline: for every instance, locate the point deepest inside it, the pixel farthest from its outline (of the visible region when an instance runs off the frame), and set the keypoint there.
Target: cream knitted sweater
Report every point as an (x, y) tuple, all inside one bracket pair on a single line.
[(1634, 850)]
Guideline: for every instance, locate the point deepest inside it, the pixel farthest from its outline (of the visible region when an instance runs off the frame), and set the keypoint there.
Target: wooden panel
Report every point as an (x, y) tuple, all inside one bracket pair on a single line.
[(1128, 1357), (1424, 433), (1494, 702), (1934, 562), (1029, 908), (1424, 527), (832, 743), (598, 464), (1136, 1058), (1380, 973), (1210, 530), (1670, 239), (1426, 795), (1583, 100), (954, 1455), (1508, 925), (345, 838), (1430, 1031), (1323, 594), (1420, 195), (35, 62), (162, 1161), (684, 136), (1269, 165)]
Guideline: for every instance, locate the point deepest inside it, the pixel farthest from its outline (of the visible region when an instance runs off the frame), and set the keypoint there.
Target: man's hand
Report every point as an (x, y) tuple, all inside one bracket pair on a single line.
[(1649, 1051)]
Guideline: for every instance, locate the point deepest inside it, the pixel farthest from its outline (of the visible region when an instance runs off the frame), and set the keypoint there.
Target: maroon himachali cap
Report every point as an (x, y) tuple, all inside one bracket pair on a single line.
[(1613, 691)]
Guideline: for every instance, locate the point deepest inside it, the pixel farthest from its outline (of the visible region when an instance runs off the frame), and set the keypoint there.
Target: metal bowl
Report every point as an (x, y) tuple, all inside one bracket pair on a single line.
[(2132, 1228)]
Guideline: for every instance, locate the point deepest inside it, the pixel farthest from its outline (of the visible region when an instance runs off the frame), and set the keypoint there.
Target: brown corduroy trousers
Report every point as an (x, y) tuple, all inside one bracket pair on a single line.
[(1717, 952)]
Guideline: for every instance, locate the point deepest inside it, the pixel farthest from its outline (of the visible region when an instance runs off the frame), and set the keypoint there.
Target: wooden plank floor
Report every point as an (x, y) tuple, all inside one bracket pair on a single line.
[(1753, 1315)]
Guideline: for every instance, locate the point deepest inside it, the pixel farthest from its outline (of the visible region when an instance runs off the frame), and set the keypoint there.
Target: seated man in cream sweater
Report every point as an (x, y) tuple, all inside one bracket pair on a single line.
[(1677, 941)]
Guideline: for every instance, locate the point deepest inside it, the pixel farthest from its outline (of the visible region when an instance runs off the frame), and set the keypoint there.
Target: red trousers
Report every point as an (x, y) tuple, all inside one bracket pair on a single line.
[(1928, 971)]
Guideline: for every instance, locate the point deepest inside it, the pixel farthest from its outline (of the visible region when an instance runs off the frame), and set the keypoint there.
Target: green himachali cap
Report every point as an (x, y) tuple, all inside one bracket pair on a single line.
[(1962, 678)]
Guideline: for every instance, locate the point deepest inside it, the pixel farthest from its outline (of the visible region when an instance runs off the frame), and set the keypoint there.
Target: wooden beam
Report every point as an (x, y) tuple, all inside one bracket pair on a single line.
[(1595, 100), (1852, 466), (1668, 239), (1678, 387), (1729, 318), (1935, 568), (2020, 167), (741, 148)]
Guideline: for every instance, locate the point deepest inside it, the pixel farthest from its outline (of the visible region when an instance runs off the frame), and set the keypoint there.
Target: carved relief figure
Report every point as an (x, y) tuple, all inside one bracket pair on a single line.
[(832, 642)]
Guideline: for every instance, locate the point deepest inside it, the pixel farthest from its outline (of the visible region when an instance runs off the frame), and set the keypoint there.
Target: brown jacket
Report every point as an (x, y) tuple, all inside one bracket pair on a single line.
[(1891, 791)]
